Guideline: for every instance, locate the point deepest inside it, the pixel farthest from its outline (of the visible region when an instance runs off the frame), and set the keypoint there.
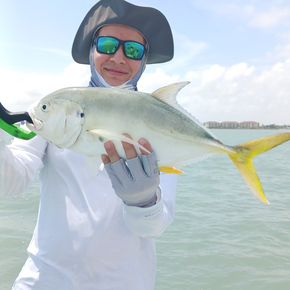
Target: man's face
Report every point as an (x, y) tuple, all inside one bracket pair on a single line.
[(117, 69)]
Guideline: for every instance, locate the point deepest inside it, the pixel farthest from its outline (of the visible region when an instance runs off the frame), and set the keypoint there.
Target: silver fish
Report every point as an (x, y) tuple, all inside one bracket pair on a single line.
[(82, 119)]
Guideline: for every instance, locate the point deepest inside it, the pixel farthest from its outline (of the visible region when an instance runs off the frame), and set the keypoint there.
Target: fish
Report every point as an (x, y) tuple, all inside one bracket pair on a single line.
[(82, 119)]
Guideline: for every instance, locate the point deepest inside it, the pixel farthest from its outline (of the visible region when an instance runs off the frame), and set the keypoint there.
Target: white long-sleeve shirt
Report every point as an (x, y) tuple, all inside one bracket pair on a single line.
[(85, 237)]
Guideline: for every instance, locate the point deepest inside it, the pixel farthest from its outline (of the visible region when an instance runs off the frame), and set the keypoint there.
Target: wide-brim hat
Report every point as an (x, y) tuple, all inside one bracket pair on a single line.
[(150, 22)]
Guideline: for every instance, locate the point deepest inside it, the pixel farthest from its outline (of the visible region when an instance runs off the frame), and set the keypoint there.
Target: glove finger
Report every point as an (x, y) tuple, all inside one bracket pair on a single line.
[(122, 171), (114, 179), (150, 164), (136, 168)]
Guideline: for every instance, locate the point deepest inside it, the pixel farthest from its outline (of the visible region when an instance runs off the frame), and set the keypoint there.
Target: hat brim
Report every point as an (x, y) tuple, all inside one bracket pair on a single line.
[(150, 22)]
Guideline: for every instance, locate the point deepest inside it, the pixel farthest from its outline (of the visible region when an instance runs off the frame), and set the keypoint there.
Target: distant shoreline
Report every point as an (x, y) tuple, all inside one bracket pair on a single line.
[(260, 128), (243, 125)]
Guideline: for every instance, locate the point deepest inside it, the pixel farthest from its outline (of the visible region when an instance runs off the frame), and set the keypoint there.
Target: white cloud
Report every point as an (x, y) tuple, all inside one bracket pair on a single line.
[(186, 50), (152, 81), (19, 89), (236, 93), (279, 52), (240, 94), (62, 53), (272, 17), (212, 74), (238, 71), (258, 13)]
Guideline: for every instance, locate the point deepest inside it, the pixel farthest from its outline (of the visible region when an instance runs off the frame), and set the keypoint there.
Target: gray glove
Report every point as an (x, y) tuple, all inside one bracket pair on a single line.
[(135, 180)]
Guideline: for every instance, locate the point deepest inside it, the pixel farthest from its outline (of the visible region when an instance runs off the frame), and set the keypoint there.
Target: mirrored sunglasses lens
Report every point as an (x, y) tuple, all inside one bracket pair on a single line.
[(107, 45), (134, 50)]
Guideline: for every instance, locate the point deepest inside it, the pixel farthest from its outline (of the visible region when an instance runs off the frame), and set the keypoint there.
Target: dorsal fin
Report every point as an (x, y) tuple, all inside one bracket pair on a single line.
[(168, 94)]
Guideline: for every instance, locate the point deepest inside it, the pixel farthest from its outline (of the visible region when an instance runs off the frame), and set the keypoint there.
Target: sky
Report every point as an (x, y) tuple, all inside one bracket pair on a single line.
[(234, 53)]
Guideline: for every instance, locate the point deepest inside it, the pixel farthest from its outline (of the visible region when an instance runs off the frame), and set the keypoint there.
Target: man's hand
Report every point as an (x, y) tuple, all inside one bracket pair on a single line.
[(134, 180)]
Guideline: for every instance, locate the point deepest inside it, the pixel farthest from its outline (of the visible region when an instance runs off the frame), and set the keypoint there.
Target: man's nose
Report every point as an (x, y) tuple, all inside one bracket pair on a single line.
[(118, 56)]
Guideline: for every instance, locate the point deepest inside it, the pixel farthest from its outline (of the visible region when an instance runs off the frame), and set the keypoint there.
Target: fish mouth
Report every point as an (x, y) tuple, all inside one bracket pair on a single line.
[(36, 124)]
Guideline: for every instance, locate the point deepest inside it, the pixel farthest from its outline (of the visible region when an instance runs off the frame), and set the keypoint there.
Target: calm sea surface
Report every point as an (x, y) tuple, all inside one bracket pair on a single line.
[(221, 238)]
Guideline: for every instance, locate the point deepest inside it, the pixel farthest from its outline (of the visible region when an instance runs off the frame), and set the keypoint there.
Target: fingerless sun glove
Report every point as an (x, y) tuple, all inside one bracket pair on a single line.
[(135, 181)]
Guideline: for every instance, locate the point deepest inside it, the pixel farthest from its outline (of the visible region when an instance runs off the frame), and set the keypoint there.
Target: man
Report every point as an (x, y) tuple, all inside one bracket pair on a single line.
[(97, 232)]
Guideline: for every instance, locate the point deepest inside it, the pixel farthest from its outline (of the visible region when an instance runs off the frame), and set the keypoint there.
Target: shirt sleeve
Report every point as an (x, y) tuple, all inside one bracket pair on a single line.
[(19, 164), (151, 222)]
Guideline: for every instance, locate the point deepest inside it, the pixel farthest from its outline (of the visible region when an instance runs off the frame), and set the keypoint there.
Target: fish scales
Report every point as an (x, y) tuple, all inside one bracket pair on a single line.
[(148, 111)]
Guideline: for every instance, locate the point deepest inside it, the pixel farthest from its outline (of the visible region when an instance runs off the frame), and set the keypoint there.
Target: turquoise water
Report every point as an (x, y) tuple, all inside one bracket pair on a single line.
[(221, 238)]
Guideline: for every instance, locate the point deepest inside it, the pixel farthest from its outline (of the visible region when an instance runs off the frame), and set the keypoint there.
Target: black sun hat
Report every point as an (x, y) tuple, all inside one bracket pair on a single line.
[(150, 22)]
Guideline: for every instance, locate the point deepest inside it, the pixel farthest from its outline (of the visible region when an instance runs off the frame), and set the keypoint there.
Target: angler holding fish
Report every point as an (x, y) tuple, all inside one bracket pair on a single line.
[(90, 234), (96, 228)]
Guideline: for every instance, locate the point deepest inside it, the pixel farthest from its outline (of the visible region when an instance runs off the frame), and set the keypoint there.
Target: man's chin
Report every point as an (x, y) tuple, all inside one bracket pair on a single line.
[(115, 81)]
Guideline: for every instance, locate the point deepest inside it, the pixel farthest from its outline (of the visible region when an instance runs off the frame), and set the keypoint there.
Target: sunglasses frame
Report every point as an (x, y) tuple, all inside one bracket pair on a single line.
[(120, 42)]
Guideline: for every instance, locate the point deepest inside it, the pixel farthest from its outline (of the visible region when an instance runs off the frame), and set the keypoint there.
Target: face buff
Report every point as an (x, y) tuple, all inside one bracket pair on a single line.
[(98, 81)]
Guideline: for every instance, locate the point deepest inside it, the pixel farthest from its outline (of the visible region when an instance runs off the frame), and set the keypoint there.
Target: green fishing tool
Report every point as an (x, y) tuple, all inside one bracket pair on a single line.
[(7, 120), (16, 131)]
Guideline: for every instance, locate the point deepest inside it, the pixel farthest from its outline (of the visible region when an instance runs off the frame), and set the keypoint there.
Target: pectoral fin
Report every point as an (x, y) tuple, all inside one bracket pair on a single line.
[(108, 135)]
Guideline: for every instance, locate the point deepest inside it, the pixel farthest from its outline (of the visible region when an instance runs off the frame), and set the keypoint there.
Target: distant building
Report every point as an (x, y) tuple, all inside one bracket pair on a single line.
[(249, 125), (212, 124), (232, 125)]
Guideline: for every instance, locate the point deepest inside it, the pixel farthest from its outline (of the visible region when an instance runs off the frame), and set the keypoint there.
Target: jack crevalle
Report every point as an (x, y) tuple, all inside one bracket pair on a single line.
[(82, 119)]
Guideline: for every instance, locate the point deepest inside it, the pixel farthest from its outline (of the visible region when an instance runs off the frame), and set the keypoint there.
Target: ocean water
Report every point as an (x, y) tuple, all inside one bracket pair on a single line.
[(222, 236)]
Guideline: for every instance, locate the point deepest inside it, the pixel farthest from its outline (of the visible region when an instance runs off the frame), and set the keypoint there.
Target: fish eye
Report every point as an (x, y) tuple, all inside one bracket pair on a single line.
[(80, 114), (44, 107)]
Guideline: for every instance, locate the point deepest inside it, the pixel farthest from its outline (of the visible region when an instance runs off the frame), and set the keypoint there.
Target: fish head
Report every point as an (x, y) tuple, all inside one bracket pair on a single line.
[(59, 121)]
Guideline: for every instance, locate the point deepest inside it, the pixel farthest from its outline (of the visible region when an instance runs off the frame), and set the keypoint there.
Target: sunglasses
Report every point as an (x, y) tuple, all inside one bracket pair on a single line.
[(109, 45)]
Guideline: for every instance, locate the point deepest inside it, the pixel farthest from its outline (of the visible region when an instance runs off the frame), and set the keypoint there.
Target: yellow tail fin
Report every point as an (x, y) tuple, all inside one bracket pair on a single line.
[(243, 159)]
